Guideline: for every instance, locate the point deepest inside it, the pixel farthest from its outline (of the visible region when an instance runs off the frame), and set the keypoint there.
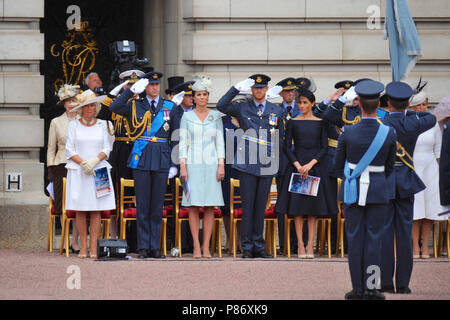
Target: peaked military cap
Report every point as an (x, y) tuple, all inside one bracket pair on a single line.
[(287, 84), (185, 86), (399, 91), (129, 72), (153, 77), (346, 84), (305, 84), (261, 80), (369, 89)]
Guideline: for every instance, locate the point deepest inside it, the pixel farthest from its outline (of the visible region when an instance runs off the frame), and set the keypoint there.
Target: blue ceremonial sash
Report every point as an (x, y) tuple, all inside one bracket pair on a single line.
[(157, 123), (381, 113), (350, 188)]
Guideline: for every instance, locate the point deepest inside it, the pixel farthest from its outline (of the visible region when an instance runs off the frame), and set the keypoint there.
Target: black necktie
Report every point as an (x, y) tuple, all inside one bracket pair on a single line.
[(153, 106), (260, 108), (289, 109)]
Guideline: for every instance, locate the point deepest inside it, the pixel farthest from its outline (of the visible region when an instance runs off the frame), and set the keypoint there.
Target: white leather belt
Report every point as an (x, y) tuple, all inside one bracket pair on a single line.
[(364, 181)]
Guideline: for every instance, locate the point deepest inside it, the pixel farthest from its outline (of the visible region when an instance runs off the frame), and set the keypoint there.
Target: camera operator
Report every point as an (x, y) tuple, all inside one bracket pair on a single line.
[(94, 83)]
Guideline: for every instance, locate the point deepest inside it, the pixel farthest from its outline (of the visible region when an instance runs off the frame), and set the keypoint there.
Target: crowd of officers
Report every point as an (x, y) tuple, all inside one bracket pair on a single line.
[(355, 113)]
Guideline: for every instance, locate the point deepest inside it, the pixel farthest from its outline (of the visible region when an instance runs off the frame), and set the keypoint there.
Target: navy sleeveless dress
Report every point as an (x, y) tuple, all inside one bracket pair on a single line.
[(310, 142)]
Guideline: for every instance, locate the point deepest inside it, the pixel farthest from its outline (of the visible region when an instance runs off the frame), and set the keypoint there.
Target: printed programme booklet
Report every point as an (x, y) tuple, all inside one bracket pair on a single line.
[(308, 186), (103, 185), (186, 189)]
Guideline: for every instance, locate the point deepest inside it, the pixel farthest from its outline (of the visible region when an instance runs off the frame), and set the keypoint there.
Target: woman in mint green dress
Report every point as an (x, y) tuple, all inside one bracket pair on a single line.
[(202, 164)]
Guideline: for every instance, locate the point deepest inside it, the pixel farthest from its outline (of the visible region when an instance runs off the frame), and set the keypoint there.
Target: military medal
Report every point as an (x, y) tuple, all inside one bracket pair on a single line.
[(166, 126), (272, 131), (288, 117), (259, 113)]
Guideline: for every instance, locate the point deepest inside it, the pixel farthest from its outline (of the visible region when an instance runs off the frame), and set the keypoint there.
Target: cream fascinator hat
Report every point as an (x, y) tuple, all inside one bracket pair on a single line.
[(88, 97), (202, 83), (67, 91), (419, 94)]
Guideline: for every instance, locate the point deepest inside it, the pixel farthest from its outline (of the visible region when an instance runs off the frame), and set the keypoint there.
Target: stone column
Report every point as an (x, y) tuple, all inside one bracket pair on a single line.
[(23, 214)]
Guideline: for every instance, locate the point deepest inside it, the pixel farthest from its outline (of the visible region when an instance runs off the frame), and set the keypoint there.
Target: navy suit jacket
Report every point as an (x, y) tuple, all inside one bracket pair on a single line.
[(404, 182), (334, 113), (444, 167), (248, 156), (353, 144), (283, 156), (156, 155)]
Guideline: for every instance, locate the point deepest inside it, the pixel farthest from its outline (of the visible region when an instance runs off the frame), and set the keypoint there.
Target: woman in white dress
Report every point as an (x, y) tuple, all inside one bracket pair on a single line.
[(87, 148), (426, 163), (202, 164)]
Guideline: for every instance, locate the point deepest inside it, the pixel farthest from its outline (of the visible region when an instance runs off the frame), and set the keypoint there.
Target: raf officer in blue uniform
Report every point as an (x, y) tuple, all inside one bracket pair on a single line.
[(366, 152), (290, 111), (259, 141), (123, 142), (153, 117), (444, 168), (403, 184)]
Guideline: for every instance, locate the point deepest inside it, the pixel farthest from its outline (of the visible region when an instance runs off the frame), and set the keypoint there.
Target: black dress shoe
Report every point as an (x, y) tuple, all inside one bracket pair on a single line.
[(262, 254), (247, 254), (142, 253), (353, 295), (404, 290), (387, 289), (157, 254), (74, 251), (373, 295)]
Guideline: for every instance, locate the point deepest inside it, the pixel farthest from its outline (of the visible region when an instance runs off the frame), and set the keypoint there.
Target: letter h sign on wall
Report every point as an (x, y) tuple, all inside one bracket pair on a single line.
[(13, 181)]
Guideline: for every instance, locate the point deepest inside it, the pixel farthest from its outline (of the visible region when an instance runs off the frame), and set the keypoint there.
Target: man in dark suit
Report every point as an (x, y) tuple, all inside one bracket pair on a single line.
[(366, 152), (290, 111), (444, 168), (403, 183), (259, 141), (150, 157)]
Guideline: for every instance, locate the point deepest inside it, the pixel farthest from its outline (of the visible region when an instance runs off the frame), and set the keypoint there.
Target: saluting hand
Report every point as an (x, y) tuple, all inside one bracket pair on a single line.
[(336, 94), (274, 92), (114, 92), (139, 86), (245, 85), (178, 98)]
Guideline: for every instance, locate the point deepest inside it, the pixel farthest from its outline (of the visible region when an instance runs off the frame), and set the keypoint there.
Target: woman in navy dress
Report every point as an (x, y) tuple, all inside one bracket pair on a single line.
[(310, 137)]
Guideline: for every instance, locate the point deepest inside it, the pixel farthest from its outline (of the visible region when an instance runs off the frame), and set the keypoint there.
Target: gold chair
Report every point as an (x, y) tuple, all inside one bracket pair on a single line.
[(440, 245), (271, 221), (70, 215), (324, 226), (340, 223), (235, 213), (127, 211), (182, 214), (52, 214), (270, 218), (67, 217)]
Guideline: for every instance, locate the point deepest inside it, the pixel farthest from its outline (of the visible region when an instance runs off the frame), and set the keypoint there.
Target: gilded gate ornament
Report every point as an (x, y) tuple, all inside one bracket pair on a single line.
[(77, 56)]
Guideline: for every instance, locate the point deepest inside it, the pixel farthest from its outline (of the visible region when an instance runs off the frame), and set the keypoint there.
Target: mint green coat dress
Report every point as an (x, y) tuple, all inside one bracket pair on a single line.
[(202, 145)]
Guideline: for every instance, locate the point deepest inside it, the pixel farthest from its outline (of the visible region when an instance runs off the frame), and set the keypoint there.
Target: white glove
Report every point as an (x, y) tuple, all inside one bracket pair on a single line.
[(139, 86), (274, 92), (178, 98), (245, 85), (89, 165), (114, 92), (350, 95), (172, 172)]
